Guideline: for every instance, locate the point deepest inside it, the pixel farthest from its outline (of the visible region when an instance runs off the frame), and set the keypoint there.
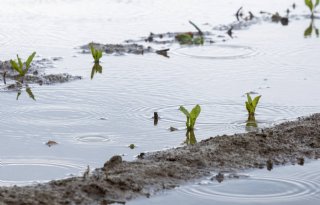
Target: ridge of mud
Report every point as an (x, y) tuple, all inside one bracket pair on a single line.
[(36, 75), (161, 42), (118, 181)]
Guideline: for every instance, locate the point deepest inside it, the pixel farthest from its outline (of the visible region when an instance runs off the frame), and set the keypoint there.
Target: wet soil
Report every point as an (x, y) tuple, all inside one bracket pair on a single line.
[(36, 75), (119, 181), (160, 43)]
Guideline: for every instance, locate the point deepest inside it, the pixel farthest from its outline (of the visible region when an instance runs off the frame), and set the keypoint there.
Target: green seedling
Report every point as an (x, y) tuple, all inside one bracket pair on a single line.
[(251, 106), (96, 53), (97, 68), (20, 67), (191, 116), (189, 38), (185, 38), (312, 5)]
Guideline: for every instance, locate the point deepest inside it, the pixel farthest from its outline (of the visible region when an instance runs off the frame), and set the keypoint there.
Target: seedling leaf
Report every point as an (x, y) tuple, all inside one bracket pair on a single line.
[(185, 111), (256, 101), (249, 98), (16, 67), (195, 112), (309, 4), (20, 63), (29, 60), (96, 54)]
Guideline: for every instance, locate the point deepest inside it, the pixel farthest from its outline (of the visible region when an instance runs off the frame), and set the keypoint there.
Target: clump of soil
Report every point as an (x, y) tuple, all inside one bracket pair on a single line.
[(119, 49), (118, 180), (35, 75)]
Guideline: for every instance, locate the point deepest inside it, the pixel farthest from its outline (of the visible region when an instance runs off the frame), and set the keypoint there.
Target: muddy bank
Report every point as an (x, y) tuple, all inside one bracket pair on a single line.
[(36, 75), (118, 180)]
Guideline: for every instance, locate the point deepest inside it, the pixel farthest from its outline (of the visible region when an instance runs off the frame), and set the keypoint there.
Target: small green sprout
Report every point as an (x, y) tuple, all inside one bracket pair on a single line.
[(312, 6), (96, 53), (191, 117), (22, 68), (189, 38), (185, 38), (251, 106)]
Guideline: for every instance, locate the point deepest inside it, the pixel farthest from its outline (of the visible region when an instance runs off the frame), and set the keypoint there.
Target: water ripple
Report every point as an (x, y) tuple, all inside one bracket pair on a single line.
[(217, 51), (28, 171), (257, 189)]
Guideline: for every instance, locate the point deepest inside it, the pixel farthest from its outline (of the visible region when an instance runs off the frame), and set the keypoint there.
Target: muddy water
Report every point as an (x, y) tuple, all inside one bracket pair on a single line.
[(92, 120)]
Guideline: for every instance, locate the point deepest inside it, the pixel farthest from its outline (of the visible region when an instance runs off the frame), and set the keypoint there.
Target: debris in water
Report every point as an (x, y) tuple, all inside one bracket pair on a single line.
[(51, 143), (172, 129)]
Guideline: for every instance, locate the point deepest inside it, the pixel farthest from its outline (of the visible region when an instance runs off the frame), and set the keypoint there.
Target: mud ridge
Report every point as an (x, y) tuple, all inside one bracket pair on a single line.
[(119, 181), (36, 75)]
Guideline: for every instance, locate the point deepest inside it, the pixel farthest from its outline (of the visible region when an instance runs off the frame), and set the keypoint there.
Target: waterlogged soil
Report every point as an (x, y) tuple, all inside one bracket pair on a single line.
[(118, 181), (221, 33), (35, 75)]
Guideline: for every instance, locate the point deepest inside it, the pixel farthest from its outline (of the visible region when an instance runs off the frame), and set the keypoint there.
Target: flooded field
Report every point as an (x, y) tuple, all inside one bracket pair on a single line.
[(96, 117)]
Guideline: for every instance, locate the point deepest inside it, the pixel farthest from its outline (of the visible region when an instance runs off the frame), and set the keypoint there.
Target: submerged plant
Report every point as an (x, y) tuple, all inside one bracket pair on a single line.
[(191, 116), (312, 5), (251, 106), (96, 53), (20, 67)]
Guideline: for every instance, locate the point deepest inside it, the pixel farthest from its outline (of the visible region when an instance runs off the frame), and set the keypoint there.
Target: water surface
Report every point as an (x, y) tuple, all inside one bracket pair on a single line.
[(92, 120)]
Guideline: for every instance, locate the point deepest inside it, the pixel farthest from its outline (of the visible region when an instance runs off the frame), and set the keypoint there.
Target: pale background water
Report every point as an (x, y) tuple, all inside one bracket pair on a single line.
[(274, 61)]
